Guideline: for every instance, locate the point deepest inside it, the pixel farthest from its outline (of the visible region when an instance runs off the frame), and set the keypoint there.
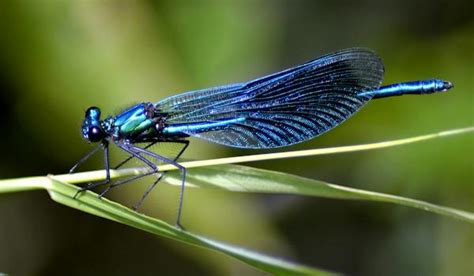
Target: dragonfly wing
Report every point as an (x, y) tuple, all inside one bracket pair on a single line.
[(281, 109)]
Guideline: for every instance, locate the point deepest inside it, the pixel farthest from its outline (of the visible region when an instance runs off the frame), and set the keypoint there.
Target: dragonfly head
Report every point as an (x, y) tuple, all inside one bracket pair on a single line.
[(91, 126)]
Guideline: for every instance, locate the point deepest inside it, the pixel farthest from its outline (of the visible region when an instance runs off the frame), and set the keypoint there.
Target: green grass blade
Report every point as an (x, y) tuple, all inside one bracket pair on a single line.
[(233, 178), (322, 151), (89, 202), (100, 174), (246, 179)]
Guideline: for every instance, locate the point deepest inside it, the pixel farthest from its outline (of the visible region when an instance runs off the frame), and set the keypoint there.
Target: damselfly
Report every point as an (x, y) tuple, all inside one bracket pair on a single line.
[(274, 111)]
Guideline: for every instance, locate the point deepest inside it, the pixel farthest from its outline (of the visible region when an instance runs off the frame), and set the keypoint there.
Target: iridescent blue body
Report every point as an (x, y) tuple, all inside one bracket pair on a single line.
[(278, 110), (407, 88)]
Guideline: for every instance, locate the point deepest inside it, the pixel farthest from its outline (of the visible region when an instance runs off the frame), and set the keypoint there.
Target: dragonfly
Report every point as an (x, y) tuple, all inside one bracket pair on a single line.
[(278, 110)]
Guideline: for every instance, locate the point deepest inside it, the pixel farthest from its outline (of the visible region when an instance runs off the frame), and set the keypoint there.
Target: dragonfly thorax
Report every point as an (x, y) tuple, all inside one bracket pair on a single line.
[(139, 123)]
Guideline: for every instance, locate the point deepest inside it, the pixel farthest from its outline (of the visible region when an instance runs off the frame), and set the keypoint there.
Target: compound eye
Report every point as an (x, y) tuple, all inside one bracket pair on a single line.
[(95, 134), (93, 112)]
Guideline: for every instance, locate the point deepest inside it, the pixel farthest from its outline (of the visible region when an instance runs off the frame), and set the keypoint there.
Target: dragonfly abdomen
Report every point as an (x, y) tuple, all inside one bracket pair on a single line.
[(186, 128), (411, 87)]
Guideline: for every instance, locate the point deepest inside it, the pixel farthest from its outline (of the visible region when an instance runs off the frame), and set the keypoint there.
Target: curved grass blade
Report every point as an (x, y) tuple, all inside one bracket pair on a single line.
[(89, 202), (234, 178), (323, 151), (99, 174), (247, 179)]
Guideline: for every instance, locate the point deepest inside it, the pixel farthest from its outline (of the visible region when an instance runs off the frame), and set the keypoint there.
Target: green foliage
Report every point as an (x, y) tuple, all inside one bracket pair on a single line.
[(251, 180), (89, 202), (228, 177)]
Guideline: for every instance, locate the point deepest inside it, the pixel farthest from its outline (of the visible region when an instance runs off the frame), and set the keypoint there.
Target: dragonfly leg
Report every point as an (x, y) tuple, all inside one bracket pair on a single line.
[(153, 185), (85, 158), (163, 174), (92, 185), (119, 183), (125, 181), (150, 188), (131, 156), (177, 165)]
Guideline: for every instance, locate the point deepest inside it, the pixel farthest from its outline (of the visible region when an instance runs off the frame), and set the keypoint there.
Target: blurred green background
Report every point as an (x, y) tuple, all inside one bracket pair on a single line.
[(59, 57)]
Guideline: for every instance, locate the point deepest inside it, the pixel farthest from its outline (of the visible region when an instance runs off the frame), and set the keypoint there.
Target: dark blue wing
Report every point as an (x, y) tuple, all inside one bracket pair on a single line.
[(281, 109)]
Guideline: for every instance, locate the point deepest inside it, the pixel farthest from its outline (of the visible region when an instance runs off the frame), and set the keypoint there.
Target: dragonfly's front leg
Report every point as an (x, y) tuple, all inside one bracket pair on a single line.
[(85, 158), (92, 185)]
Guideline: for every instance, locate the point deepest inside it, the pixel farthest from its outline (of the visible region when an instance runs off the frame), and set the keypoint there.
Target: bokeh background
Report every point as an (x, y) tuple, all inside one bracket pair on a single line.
[(59, 57)]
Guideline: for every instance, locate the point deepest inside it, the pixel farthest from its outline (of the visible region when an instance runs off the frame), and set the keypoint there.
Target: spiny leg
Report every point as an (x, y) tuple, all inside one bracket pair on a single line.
[(107, 172), (119, 183), (177, 165), (107, 165), (150, 188), (153, 185), (125, 181), (130, 149), (102, 194), (130, 157), (85, 158)]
